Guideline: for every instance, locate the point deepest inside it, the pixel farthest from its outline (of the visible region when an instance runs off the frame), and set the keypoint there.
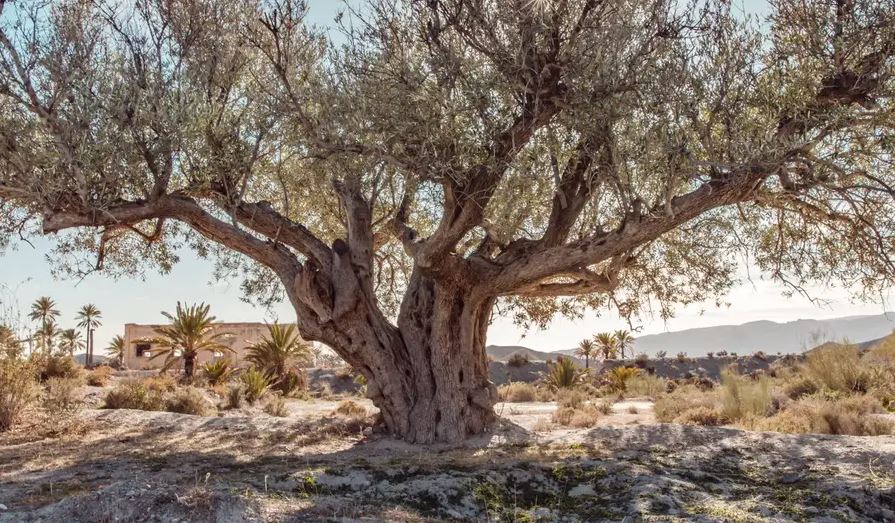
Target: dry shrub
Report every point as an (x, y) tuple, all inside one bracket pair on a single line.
[(799, 386), (518, 360), (100, 376), (604, 407), (583, 416), (648, 385), (189, 400), (61, 396), (160, 384), (517, 392), (570, 398), (59, 367), (837, 367), (542, 425), (292, 382), (701, 415), (669, 407), (276, 406), (632, 410), (234, 397), (350, 409), (742, 397), (134, 394), (819, 416), (19, 388)]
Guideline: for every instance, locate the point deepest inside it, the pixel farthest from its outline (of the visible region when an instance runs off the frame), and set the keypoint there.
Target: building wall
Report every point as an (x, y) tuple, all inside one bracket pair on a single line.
[(242, 336)]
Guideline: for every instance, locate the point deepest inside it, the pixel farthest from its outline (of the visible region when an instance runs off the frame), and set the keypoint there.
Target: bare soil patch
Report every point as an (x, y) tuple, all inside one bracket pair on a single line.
[(311, 466)]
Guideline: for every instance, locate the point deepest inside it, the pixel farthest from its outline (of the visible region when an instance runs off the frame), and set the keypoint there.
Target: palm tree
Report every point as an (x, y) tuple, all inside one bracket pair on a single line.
[(116, 349), (607, 344), (70, 341), (586, 348), (44, 310), (280, 352), (89, 317), (190, 333), (623, 340)]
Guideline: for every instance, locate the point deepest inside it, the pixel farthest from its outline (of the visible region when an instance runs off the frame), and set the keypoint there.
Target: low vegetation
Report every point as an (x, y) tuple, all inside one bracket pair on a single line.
[(100, 376), (520, 392), (19, 389), (563, 374)]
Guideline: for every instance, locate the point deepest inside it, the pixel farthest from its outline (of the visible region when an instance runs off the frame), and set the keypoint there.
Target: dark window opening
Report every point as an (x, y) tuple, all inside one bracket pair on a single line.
[(142, 349)]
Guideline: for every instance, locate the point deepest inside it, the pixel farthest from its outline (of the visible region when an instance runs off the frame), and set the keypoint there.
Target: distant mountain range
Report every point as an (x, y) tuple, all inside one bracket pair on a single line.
[(771, 337)]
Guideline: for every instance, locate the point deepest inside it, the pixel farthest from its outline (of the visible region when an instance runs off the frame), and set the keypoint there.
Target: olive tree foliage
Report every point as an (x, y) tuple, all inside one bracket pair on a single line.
[(428, 162)]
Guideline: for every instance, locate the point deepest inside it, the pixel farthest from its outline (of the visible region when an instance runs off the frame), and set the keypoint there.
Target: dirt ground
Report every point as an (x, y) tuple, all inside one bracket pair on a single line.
[(107, 465)]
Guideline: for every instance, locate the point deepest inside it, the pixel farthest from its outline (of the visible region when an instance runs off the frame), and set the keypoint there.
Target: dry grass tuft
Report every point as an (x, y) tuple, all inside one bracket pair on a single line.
[(743, 397), (837, 367), (700, 415), (61, 395), (584, 416), (276, 406), (646, 385), (350, 409), (134, 394), (517, 392), (189, 400), (18, 390), (100, 376)]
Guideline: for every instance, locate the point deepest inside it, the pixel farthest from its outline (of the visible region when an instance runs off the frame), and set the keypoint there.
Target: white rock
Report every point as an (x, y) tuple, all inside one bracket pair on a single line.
[(2, 506)]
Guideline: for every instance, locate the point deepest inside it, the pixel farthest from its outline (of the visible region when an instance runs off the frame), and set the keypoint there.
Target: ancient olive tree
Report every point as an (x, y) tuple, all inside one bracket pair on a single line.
[(404, 174)]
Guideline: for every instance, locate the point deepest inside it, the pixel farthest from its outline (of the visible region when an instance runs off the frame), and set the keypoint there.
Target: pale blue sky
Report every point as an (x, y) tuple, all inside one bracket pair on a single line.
[(26, 275)]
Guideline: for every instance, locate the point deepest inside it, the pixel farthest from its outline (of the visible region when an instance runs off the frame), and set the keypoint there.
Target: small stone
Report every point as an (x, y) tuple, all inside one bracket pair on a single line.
[(581, 491), (791, 477), (2, 506)]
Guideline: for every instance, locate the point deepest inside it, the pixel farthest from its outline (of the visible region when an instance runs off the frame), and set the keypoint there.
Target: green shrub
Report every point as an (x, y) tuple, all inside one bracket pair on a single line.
[(563, 374), (134, 394), (743, 397), (61, 395), (254, 385), (19, 389), (217, 371), (189, 400), (619, 376)]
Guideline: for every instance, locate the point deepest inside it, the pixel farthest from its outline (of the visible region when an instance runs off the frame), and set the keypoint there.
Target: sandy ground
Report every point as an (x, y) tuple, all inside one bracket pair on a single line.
[(311, 466)]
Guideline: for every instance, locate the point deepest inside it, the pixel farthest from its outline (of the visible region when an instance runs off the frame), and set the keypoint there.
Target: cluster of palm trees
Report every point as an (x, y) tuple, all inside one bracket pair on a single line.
[(609, 345), (191, 332), (50, 337)]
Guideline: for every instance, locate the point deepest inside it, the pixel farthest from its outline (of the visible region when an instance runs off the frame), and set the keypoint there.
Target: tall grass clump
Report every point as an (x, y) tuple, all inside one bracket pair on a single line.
[(743, 398), (19, 389), (837, 368), (648, 385), (254, 385), (61, 395), (189, 400), (517, 392), (135, 394)]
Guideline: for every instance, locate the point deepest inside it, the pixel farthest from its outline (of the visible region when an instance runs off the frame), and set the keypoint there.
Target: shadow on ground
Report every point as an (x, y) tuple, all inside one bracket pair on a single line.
[(175, 467)]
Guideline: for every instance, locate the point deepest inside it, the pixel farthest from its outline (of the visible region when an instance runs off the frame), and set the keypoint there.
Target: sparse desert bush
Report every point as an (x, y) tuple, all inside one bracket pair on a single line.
[(350, 409), (669, 406), (661, 354), (682, 357), (710, 355), (518, 360), (583, 416), (570, 398), (234, 397), (135, 394), (700, 415), (293, 381), (189, 400), (721, 354), (59, 366), (619, 376), (819, 416), (742, 397), (19, 388), (799, 385), (61, 395), (517, 392), (837, 367), (100, 376), (563, 374), (641, 360), (217, 371), (648, 385), (603, 406), (276, 406), (160, 384), (254, 385), (760, 355)]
